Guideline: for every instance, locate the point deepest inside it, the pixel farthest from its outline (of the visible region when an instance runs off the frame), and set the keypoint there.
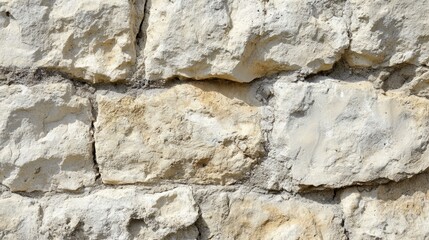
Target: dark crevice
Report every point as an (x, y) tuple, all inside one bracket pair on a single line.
[(405, 186), (395, 78), (340, 71), (334, 195), (345, 230), (327, 196), (202, 228), (4, 188), (34, 194), (92, 129), (372, 183), (8, 14), (141, 31), (94, 160)]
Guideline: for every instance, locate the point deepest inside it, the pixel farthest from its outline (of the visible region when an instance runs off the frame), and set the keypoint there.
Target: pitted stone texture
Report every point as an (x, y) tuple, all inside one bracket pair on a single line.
[(192, 133), (250, 215), (120, 214), (388, 33), (392, 211), (45, 138), (18, 218), (126, 213), (93, 40), (334, 134), (241, 40)]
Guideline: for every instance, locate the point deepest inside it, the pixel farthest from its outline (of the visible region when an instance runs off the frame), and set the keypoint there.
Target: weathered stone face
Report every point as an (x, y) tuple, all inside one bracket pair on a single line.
[(92, 40), (388, 33), (241, 40), (18, 218), (311, 119), (111, 213), (191, 133), (45, 139), (334, 134), (249, 215), (392, 211)]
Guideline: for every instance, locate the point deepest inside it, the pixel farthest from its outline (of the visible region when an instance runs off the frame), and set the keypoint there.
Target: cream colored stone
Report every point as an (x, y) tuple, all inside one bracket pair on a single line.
[(194, 133), (93, 40), (45, 138), (388, 33), (393, 211), (249, 215), (126, 213), (18, 218), (120, 214), (241, 40), (333, 134)]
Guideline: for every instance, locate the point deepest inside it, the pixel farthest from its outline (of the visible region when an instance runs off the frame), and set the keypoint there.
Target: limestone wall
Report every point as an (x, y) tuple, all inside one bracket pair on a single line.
[(214, 119)]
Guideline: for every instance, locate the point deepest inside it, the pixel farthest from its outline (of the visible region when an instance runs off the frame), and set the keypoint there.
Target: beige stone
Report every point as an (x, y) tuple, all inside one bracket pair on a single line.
[(18, 218), (241, 40), (388, 33), (126, 213), (392, 211), (93, 40), (249, 215), (333, 134), (194, 133), (45, 138)]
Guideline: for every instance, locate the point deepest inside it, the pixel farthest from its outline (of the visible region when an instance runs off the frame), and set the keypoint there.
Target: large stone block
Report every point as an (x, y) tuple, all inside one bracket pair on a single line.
[(126, 213), (120, 214), (329, 133), (193, 133), (93, 40), (392, 211), (388, 33), (249, 215), (241, 40), (45, 138)]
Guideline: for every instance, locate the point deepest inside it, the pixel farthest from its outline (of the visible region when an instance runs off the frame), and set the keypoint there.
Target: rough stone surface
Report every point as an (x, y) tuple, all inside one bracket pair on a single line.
[(311, 122), (18, 218), (393, 211), (126, 213), (388, 33), (330, 133), (93, 40), (241, 40), (194, 133), (45, 138), (249, 215)]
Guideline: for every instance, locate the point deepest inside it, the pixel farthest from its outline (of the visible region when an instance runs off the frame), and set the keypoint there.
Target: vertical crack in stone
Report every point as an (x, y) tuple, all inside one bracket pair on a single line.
[(94, 155), (202, 228), (93, 150), (141, 9), (343, 225), (140, 29)]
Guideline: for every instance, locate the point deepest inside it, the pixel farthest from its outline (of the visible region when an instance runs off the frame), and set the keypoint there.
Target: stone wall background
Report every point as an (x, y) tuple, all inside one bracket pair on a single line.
[(309, 119)]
